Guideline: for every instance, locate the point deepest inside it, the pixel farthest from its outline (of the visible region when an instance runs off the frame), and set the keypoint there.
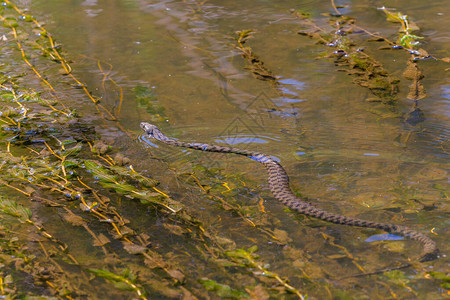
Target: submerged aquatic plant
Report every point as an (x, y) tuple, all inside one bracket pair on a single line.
[(125, 280), (222, 290), (77, 189), (365, 70), (11, 208), (407, 39)]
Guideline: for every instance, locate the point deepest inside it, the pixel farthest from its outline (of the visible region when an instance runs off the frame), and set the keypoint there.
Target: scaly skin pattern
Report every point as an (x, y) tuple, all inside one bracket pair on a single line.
[(279, 185)]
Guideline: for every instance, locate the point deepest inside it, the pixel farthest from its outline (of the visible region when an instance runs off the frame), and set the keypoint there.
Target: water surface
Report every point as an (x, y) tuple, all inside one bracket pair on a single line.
[(343, 153)]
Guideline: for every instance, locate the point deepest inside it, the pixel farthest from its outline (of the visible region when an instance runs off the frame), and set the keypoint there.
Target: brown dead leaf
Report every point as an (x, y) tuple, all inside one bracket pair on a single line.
[(121, 160), (175, 229), (227, 244), (144, 239), (282, 236), (101, 240), (412, 72), (154, 260), (133, 248), (187, 295), (416, 91), (258, 293), (74, 219), (177, 274), (124, 230)]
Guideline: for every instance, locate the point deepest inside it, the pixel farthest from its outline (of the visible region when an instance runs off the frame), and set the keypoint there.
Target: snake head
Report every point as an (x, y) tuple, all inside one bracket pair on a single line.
[(148, 128), (153, 131)]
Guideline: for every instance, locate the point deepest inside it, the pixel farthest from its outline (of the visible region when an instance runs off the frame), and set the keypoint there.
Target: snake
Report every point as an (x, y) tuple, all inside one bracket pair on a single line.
[(278, 181)]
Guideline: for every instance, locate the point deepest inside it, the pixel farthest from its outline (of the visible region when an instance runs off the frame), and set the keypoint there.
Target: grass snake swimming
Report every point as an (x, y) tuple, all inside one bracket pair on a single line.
[(279, 185)]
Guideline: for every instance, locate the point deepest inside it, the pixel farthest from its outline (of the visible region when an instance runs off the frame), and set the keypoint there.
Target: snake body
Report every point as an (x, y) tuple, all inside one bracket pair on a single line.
[(279, 185)]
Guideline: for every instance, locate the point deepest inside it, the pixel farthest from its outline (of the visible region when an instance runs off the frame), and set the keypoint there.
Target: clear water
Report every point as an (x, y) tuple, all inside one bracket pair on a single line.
[(342, 152)]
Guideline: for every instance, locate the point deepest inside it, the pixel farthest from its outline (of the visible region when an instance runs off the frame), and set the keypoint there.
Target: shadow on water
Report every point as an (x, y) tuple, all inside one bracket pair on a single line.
[(351, 99)]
